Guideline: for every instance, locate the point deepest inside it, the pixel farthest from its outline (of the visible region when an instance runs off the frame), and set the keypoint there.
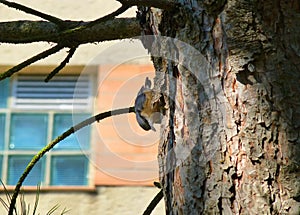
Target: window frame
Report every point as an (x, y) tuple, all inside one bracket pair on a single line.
[(6, 152)]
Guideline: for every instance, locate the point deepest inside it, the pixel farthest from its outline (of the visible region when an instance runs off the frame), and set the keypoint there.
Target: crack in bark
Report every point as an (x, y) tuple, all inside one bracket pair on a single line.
[(171, 158), (220, 205)]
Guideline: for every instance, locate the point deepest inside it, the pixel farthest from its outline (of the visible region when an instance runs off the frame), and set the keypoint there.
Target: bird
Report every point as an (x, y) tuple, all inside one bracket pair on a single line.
[(147, 112)]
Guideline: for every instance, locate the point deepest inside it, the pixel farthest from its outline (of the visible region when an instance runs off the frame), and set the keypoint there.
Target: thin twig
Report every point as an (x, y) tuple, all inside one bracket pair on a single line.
[(162, 4), (154, 202), (67, 133), (97, 21), (43, 31), (157, 184), (31, 60), (25, 9), (58, 47), (62, 64)]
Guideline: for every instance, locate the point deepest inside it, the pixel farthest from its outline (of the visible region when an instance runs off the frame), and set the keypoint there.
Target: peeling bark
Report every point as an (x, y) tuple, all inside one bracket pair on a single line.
[(241, 122)]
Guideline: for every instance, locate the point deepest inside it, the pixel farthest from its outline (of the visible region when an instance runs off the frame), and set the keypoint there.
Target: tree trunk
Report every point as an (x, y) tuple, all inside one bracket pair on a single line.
[(230, 134)]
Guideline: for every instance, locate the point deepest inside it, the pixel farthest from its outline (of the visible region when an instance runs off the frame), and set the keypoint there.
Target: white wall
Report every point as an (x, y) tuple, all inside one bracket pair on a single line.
[(106, 201)]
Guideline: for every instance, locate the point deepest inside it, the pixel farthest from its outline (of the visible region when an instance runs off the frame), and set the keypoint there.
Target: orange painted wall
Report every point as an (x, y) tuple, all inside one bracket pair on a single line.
[(124, 153)]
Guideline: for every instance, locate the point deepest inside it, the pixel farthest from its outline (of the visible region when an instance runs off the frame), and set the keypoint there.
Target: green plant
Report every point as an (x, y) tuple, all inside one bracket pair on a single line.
[(24, 208)]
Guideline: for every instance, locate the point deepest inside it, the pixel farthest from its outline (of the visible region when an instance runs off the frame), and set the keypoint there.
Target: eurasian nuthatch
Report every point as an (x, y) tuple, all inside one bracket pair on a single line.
[(147, 112)]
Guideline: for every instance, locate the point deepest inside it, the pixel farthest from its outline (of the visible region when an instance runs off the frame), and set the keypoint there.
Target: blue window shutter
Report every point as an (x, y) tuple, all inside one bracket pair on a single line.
[(69, 170), (16, 166), (28, 131), (61, 93)]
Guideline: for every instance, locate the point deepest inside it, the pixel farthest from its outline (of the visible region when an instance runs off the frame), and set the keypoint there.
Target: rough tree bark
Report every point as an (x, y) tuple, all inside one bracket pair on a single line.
[(241, 127)]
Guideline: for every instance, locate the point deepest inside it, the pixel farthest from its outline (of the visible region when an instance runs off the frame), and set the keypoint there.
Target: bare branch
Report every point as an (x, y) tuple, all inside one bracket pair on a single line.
[(34, 31), (64, 31), (62, 64), (162, 4), (28, 10), (154, 202), (37, 31), (47, 148), (98, 21), (31, 60)]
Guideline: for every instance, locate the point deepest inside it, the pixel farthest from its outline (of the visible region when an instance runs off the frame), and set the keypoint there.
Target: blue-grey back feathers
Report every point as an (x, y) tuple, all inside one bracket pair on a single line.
[(139, 105)]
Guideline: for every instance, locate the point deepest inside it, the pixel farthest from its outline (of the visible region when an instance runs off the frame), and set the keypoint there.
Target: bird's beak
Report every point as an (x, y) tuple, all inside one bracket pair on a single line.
[(152, 128)]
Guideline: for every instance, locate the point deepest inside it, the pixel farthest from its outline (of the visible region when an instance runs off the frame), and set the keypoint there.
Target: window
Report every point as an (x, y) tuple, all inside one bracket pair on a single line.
[(28, 131), (3, 93), (69, 170), (2, 130), (32, 114), (17, 164), (62, 122), (63, 92)]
